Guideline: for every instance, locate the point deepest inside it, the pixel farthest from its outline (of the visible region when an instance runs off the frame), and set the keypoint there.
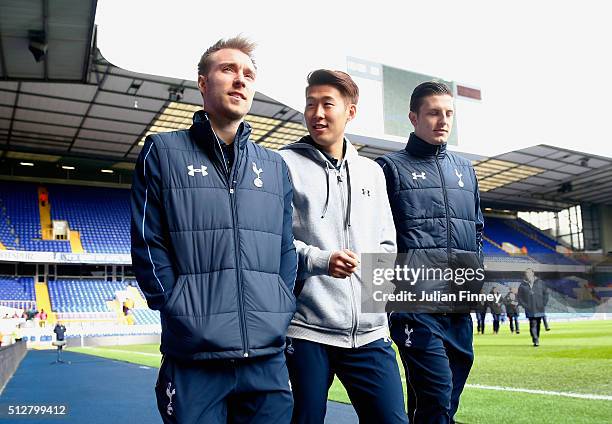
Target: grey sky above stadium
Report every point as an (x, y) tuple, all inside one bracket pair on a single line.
[(541, 66)]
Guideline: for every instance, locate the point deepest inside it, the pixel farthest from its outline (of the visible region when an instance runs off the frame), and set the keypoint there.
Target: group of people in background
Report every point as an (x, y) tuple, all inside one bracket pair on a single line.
[(531, 295)]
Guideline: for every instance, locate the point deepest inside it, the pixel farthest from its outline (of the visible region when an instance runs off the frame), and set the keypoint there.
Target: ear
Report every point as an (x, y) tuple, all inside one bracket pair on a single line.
[(352, 112), (413, 118), (202, 83)]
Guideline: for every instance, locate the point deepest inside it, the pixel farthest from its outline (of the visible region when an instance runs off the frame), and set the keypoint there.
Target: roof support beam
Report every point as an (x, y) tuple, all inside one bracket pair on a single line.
[(91, 37), (2, 59), (45, 6), (10, 131), (91, 103)]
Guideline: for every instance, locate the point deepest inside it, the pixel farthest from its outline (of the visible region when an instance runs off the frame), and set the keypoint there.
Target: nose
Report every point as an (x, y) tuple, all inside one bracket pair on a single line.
[(318, 112), (240, 81), (446, 120)]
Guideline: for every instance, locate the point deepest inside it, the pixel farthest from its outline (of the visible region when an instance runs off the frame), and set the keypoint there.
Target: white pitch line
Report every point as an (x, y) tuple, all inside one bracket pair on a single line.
[(536, 392), (540, 392), (471, 386), (124, 351)]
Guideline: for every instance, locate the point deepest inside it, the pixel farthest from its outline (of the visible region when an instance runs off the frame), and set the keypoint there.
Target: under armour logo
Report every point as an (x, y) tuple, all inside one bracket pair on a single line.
[(408, 332), (170, 393), (192, 170), (416, 176), (258, 182), (365, 192), (460, 182)]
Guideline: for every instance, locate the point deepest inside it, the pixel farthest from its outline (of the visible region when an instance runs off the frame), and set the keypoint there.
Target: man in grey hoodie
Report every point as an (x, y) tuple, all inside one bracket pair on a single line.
[(340, 210)]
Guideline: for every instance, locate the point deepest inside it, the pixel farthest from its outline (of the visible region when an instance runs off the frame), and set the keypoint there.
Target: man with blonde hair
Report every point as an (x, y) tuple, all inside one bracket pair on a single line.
[(212, 250)]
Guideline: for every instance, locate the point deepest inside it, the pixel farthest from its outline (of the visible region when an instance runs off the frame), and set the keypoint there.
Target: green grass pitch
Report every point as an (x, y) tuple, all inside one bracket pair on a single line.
[(573, 357)]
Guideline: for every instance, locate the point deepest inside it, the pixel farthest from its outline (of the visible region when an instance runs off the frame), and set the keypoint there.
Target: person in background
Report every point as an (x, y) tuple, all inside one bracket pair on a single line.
[(480, 311), (42, 316), (60, 331), (533, 296), (495, 309), (512, 311), (545, 322)]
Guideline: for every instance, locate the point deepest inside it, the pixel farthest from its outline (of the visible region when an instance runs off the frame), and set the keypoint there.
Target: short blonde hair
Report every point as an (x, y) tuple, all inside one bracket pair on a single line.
[(239, 42)]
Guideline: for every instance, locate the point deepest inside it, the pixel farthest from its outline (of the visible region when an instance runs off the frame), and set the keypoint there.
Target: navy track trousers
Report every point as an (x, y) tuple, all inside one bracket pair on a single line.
[(369, 373), (225, 391), (437, 353)]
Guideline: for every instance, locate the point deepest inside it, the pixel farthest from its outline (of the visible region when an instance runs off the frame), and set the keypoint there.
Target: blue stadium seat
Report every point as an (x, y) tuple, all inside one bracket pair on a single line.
[(17, 288), (87, 295), (103, 229), (502, 230)]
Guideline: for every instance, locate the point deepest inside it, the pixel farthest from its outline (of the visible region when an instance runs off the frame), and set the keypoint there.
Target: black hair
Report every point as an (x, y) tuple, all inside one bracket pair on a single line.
[(426, 89)]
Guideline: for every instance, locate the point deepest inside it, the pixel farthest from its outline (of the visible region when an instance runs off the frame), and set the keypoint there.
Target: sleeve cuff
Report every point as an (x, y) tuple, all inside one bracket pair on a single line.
[(319, 262)]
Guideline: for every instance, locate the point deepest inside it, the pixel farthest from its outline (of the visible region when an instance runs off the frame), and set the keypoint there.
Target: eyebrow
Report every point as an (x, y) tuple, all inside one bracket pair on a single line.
[(322, 98), (235, 65), (440, 108)]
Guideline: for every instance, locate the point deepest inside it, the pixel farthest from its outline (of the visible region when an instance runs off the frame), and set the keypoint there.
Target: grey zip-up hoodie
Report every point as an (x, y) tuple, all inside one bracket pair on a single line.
[(335, 209)]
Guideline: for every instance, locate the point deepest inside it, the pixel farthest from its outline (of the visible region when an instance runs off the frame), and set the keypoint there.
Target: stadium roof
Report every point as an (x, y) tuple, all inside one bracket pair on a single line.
[(545, 177), (75, 109), (111, 113), (62, 29)]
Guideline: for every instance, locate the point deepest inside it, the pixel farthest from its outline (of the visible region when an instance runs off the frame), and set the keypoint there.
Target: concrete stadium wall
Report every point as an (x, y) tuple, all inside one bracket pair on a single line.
[(10, 358), (112, 340)]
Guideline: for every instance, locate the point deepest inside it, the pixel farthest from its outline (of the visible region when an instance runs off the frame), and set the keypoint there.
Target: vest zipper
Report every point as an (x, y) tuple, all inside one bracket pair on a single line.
[(230, 179), (448, 227)]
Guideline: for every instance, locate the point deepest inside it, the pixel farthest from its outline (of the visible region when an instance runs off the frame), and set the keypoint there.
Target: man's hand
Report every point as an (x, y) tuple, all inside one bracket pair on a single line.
[(342, 263)]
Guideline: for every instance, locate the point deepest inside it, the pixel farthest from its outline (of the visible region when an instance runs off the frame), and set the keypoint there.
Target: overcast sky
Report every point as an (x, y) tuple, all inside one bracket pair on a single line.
[(544, 67)]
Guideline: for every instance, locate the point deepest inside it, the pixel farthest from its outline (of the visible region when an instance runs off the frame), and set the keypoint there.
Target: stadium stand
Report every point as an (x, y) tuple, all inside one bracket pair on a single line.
[(8, 237), (146, 317), (102, 215), (496, 253), (20, 203), (86, 295), (88, 299), (522, 235), (17, 292)]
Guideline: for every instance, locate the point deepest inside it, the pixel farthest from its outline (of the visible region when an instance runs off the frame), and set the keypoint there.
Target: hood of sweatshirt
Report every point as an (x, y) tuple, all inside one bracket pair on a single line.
[(306, 146), (335, 208)]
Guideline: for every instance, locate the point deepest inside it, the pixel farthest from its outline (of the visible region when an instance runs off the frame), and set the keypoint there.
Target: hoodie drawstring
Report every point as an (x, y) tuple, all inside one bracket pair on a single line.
[(327, 195), (348, 185), (348, 188)]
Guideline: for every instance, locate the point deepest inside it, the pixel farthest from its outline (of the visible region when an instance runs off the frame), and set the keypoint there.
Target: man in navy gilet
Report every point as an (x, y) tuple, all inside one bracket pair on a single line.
[(436, 209), (212, 249)]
